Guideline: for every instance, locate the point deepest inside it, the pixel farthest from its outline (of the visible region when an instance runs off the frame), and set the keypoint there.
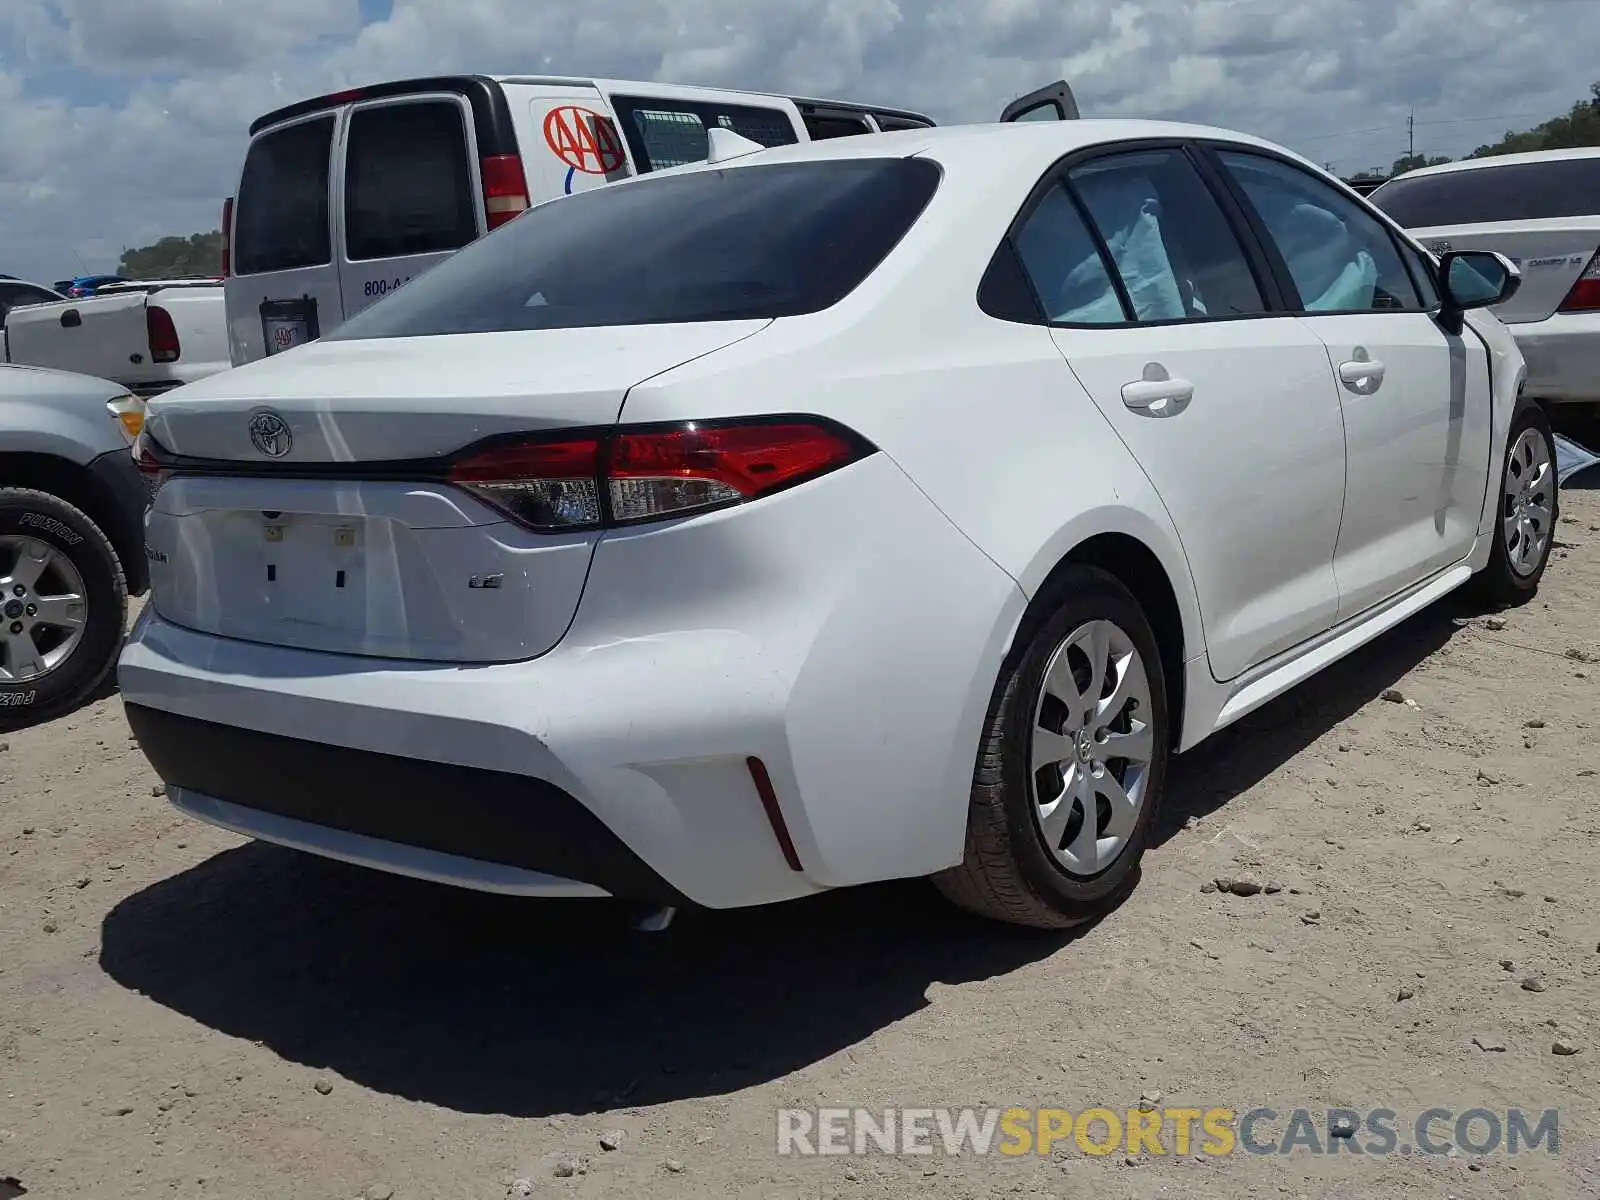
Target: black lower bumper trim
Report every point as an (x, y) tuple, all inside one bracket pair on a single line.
[(492, 816)]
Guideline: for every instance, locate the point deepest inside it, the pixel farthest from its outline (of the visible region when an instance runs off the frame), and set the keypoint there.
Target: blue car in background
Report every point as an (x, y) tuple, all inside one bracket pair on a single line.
[(86, 285)]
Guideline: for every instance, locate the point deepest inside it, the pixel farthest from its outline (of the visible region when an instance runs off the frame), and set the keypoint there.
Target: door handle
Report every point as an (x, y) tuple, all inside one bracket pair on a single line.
[(1362, 374), (1158, 397)]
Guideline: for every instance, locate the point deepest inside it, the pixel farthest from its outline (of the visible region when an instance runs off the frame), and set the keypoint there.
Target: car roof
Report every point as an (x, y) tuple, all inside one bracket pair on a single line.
[(1021, 146), (1503, 160)]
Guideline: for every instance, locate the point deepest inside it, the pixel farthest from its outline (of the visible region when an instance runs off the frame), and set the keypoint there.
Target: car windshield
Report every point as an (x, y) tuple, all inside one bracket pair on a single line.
[(713, 245), (1531, 191)]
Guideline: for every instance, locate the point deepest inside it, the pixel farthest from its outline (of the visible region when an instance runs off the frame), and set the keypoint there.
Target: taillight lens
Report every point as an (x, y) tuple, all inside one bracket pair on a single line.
[(505, 188), (163, 335), (150, 467), (543, 485), (1585, 293), (227, 237), (652, 474)]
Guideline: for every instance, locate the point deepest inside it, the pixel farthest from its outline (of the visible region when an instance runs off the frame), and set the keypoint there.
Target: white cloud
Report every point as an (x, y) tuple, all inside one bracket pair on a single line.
[(120, 122)]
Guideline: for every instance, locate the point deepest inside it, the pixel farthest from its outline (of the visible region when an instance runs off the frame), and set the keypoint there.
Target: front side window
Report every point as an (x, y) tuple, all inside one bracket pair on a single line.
[(1341, 257), (669, 133), (407, 181), (1171, 244), (280, 219), (722, 244)]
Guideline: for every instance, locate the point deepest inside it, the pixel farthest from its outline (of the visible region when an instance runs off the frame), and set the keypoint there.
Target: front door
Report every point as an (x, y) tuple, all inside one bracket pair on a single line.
[(1415, 399), (1231, 411)]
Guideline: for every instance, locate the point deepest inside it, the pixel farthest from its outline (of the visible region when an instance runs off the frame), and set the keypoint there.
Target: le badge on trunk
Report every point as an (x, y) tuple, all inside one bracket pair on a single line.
[(269, 434)]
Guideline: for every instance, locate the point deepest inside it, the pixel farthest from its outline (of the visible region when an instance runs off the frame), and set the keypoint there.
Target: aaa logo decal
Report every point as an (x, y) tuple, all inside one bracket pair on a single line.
[(583, 139)]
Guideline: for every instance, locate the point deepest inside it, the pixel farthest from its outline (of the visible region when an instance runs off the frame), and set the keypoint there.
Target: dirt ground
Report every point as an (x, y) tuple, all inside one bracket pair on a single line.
[(183, 1013)]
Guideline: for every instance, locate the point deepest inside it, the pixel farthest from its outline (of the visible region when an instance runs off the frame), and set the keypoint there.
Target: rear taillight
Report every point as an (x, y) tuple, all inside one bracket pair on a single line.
[(151, 470), (1585, 294), (652, 474), (505, 188), (163, 335), (227, 237)]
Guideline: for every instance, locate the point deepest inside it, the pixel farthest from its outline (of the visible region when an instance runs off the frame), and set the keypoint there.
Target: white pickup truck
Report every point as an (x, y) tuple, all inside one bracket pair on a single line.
[(148, 336)]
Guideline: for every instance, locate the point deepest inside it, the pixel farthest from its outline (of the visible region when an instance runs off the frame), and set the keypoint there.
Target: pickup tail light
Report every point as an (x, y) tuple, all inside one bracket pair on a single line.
[(1585, 293), (163, 335), (649, 474)]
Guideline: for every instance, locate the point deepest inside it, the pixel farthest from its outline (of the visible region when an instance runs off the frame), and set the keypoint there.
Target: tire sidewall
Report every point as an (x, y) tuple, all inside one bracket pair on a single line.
[(1097, 600), (1527, 415), (69, 532)]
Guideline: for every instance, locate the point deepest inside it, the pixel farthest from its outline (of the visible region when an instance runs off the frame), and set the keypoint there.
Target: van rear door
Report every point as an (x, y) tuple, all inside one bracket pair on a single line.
[(410, 191), (284, 286)]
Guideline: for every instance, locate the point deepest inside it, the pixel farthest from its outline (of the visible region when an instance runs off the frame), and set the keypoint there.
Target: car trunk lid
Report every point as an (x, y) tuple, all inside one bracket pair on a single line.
[(307, 502), (1552, 254)]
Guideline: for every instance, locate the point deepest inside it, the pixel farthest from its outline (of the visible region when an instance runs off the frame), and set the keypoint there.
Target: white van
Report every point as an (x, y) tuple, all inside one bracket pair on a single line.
[(346, 197)]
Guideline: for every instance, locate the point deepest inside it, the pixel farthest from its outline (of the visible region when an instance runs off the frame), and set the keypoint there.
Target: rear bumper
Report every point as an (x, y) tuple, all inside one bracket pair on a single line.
[(843, 633), (1563, 355)]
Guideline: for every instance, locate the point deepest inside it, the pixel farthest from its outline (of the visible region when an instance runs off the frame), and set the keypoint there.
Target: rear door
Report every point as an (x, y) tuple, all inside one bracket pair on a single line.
[(1544, 216), (410, 192), (284, 289), (569, 141)]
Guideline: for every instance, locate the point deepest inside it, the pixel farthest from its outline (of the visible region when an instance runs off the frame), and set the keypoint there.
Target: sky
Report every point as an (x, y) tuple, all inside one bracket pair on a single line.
[(125, 120)]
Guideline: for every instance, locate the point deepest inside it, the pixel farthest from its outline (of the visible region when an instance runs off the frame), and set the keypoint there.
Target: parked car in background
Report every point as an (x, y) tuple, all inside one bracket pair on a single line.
[(1541, 210), (148, 336), (71, 536), (86, 285), (420, 167), (874, 508), (17, 293)]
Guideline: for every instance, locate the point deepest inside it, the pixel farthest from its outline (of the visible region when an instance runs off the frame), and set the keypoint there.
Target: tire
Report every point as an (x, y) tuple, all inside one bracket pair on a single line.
[(73, 545), (1509, 579), (1009, 871)]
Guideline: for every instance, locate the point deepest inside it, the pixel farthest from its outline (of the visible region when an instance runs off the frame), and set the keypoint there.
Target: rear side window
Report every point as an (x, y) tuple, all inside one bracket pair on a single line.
[(733, 244), (13, 296), (1536, 191), (667, 133), (407, 184), (1064, 266), (280, 220)]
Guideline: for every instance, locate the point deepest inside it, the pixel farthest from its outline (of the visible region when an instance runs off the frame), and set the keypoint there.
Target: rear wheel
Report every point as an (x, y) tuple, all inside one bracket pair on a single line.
[(1525, 525), (1072, 764), (63, 606)]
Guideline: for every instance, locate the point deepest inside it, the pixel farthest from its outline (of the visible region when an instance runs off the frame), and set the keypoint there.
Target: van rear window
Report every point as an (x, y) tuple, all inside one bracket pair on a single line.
[(408, 186), (668, 133), (1530, 191), (734, 244), (280, 219)]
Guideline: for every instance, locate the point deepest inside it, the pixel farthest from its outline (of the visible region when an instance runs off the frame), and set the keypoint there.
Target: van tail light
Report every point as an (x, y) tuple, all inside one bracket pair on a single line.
[(227, 237), (636, 475), (1585, 293), (505, 188), (163, 335)]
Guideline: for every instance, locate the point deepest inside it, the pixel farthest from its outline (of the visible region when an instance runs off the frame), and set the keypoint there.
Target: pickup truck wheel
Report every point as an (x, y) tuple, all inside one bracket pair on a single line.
[(63, 607)]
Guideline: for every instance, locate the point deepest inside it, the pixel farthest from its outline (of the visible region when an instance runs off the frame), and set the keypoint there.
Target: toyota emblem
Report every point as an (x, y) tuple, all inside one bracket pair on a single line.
[(269, 434)]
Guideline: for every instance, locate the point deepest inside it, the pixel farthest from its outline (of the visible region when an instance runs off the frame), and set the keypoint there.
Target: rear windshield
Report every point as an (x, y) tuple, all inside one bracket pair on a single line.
[(733, 244), (669, 133), (407, 183), (1533, 191), (280, 219)]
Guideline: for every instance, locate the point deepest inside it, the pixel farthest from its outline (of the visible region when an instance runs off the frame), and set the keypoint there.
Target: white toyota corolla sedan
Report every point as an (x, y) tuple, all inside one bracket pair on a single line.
[(891, 506)]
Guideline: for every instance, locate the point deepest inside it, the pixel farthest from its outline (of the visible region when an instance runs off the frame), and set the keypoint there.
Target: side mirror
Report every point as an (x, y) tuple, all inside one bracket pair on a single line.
[(1475, 279)]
